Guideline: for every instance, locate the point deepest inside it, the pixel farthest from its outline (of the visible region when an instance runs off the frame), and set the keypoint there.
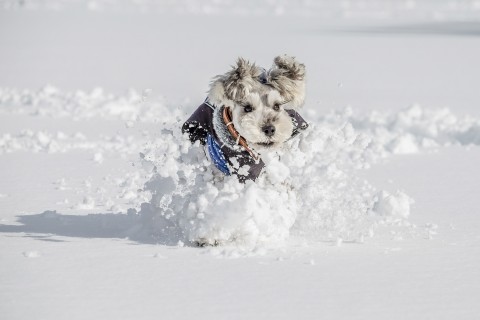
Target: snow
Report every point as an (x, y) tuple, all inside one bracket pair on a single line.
[(395, 206), (369, 214)]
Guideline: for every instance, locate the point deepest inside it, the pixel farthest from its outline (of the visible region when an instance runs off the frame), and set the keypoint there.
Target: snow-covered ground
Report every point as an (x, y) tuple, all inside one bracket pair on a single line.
[(370, 214)]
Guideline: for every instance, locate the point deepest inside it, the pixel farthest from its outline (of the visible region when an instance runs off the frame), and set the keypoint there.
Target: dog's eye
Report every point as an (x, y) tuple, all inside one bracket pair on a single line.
[(276, 107), (248, 108)]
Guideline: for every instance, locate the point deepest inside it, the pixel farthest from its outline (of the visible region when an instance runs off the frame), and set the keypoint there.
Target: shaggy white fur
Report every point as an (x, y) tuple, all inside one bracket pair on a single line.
[(250, 124)]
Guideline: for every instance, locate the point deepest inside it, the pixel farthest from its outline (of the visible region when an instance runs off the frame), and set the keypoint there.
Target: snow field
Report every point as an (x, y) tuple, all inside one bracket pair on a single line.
[(190, 201), (325, 9), (100, 197)]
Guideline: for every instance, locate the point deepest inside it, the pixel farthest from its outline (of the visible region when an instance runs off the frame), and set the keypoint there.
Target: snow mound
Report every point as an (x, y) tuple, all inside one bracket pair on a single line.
[(393, 207), (308, 190), (50, 101), (60, 142), (408, 131)]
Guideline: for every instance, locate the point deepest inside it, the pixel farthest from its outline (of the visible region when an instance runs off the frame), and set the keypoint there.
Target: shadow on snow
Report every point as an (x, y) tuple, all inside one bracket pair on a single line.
[(134, 226)]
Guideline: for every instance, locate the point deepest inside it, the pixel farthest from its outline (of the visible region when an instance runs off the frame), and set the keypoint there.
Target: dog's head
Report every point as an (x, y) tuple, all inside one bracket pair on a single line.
[(258, 98)]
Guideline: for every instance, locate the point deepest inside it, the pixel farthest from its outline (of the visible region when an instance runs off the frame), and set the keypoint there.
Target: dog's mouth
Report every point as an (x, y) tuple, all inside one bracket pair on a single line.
[(266, 144)]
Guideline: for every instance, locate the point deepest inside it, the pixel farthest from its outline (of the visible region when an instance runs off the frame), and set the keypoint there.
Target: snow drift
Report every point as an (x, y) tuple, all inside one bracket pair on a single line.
[(308, 189)]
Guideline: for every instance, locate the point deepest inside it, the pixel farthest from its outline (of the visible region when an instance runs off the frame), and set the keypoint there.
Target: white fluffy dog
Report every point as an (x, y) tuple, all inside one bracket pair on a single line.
[(248, 109)]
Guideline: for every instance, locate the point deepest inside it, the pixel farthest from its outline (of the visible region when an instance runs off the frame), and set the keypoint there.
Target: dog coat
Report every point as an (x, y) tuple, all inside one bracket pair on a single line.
[(207, 126)]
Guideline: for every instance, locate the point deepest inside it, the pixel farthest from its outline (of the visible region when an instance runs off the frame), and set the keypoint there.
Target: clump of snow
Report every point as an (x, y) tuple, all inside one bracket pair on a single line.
[(306, 190), (98, 157), (409, 130), (31, 254), (61, 184), (404, 144), (59, 142), (52, 102), (309, 189), (87, 203), (393, 206)]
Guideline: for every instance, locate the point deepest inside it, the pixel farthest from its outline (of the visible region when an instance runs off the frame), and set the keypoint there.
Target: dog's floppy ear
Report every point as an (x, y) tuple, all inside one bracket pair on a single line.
[(288, 77), (241, 80), (236, 84)]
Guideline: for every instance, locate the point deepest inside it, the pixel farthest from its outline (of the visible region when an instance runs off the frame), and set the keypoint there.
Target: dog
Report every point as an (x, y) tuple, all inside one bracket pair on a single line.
[(247, 110)]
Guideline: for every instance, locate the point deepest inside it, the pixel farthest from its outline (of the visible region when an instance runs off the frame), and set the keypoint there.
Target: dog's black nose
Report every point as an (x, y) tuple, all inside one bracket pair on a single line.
[(269, 130)]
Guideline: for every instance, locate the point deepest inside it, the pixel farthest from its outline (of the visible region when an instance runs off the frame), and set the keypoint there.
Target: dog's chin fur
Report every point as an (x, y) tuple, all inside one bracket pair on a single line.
[(241, 86)]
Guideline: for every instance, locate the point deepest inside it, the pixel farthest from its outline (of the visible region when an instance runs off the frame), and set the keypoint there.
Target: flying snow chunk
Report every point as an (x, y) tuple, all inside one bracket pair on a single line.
[(404, 144), (393, 206), (88, 203), (98, 157)]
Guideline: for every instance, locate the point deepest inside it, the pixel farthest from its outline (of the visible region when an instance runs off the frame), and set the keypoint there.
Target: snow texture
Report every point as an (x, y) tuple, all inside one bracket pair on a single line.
[(325, 9), (192, 202)]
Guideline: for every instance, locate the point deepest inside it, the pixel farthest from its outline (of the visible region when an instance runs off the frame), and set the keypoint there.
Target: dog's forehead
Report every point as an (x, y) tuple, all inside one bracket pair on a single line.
[(273, 96), (267, 97)]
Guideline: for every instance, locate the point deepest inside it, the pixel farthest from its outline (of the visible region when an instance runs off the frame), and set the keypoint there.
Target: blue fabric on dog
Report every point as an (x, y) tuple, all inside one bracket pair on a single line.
[(216, 155)]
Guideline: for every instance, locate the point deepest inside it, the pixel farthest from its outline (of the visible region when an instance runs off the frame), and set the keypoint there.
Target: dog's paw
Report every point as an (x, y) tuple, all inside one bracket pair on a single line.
[(206, 243)]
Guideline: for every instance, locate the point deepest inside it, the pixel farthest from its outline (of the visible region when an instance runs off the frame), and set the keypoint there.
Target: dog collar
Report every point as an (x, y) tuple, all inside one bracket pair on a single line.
[(227, 119)]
